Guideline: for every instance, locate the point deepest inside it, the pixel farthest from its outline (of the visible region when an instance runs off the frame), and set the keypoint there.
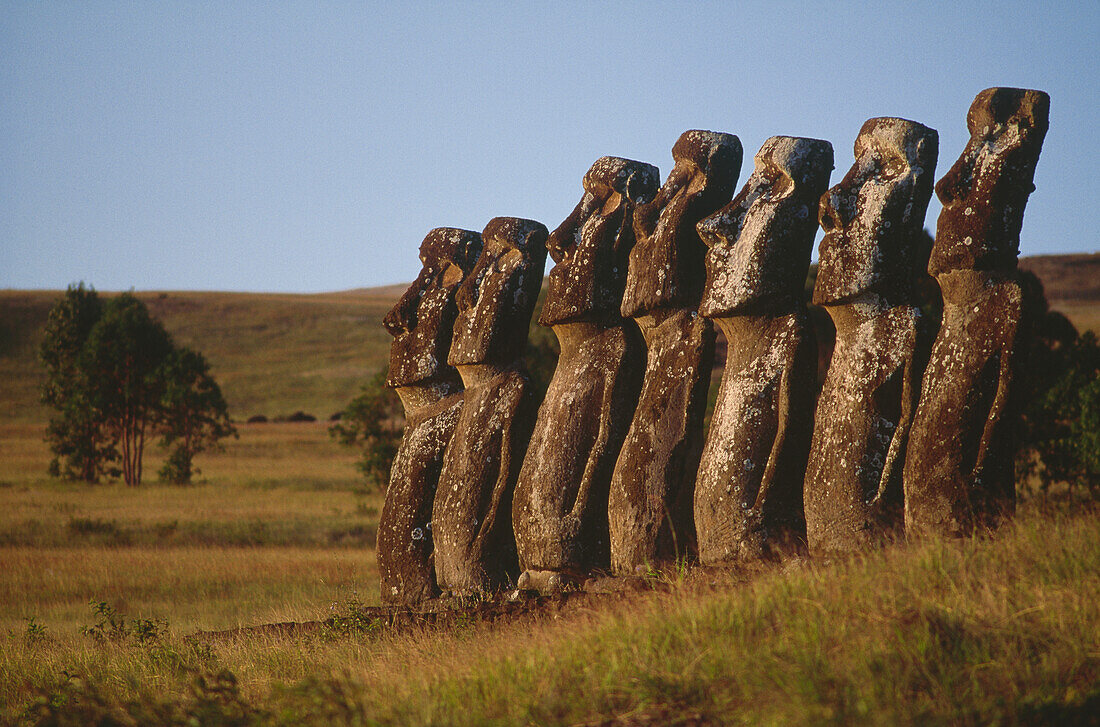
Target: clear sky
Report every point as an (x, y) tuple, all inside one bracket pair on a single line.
[(310, 146)]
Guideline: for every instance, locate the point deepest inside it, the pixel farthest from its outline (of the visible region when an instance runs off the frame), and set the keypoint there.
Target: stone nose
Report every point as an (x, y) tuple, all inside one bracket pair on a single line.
[(955, 185), (402, 317)]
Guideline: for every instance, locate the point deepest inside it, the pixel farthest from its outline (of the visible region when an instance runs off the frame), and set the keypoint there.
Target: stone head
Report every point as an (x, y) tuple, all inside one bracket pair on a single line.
[(985, 192), (591, 247), (496, 300), (760, 243), (423, 319), (872, 219), (666, 269)]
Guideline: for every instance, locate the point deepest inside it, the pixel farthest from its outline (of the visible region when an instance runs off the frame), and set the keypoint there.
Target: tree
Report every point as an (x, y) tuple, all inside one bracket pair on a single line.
[(373, 420), (1061, 423), (542, 351), (194, 413), (115, 377), (81, 450)]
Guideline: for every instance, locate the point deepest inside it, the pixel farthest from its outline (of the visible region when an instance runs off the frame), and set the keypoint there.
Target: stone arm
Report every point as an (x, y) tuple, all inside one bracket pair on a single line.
[(504, 476), (783, 413), (996, 410), (910, 393), (595, 457)]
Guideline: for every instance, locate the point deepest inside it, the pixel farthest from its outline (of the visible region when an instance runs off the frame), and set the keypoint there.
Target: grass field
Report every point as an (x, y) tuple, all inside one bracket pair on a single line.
[(996, 630), (280, 523), (104, 586)]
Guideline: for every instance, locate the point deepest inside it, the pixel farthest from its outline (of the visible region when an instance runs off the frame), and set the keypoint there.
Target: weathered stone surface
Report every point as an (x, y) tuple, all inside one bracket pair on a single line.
[(869, 261), (405, 544), (959, 463), (475, 550), (650, 503), (560, 509), (985, 192), (748, 493), (431, 392)]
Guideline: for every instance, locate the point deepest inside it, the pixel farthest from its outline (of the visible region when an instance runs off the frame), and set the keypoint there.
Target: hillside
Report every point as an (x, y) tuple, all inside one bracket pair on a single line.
[(278, 353), (992, 630), (272, 353)]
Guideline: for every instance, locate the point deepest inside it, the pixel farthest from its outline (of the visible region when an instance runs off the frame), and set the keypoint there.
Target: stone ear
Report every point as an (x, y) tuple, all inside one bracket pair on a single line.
[(928, 149), (639, 188), (724, 159)]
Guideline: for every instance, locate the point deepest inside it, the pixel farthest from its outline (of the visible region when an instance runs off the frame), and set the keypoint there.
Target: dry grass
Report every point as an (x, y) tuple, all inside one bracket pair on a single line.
[(192, 588), (998, 630)]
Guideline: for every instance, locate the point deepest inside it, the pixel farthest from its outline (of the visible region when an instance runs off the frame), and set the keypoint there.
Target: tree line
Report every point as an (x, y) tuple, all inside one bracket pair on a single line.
[(115, 379)]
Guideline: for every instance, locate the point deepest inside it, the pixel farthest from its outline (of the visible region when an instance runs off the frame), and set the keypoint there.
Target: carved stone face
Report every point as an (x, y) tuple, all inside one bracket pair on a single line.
[(985, 192), (422, 320), (872, 217), (760, 242), (666, 268), (591, 247), (496, 300)]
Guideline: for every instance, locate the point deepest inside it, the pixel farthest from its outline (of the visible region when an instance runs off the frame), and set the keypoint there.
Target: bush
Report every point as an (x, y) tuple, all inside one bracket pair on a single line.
[(298, 416), (372, 420), (1061, 423)]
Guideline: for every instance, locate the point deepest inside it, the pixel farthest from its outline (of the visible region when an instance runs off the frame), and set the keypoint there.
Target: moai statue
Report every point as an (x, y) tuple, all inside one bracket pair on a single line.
[(959, 464), (869, 262), (431, 392), (650, 504), (560, 508), (475, 550), (748, 494)]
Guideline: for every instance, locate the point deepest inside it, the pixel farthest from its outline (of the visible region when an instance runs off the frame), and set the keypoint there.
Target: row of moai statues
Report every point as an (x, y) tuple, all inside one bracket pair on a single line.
[(611, 473)]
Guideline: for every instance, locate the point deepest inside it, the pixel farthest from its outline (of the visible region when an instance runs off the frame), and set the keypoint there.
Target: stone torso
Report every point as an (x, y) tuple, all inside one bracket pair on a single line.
[(581, 426), (652, 486), (959, 470), (405, 541), (848, 503), (475, 549), (768, 371)]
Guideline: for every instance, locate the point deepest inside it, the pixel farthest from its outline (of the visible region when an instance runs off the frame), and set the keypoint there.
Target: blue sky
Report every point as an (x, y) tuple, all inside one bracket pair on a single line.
[(310, 146)]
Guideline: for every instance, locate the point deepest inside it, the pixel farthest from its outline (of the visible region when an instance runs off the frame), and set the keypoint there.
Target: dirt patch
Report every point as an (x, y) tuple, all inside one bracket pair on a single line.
[(450, 613)]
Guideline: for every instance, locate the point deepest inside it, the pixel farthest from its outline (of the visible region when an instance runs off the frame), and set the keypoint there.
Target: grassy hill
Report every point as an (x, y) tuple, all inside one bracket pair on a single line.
[(1072, 285), (278, 353), (272, 353)]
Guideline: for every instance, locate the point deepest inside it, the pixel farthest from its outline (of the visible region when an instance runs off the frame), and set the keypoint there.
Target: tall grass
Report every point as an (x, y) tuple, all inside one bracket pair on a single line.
[(996, 630)]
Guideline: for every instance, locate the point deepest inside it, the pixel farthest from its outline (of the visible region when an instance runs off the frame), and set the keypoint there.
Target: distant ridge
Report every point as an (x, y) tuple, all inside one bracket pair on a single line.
[(1067, 278), (277, 353)]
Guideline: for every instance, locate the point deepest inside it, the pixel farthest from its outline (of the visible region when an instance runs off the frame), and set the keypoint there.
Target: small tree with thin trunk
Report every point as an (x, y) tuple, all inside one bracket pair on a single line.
[(373, 421), (194, 413), (123, 362), (82, 451), (114, 378)]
